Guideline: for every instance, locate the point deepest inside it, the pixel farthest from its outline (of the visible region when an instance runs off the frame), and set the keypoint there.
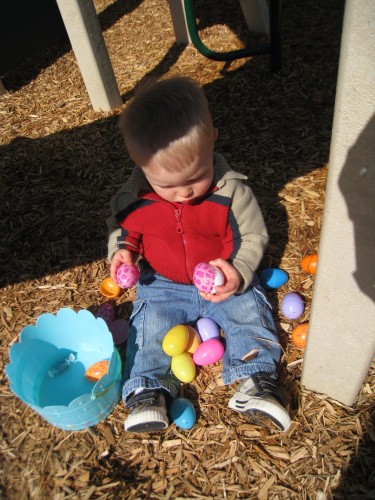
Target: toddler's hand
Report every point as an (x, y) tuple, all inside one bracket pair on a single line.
[(120, 257), (233, 281)]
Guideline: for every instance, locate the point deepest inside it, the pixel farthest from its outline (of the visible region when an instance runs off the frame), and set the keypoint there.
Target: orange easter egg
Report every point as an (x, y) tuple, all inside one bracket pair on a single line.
[(110, 289), (194, 340), (299, 335), (309, 263), (96, 371)]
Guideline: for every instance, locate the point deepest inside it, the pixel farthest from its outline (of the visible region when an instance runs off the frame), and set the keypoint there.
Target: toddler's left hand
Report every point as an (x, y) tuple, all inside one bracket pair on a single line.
[(233, 281)]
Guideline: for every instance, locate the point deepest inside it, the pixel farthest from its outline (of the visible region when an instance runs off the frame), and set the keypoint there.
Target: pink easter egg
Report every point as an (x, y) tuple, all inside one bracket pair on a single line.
[(127, 275), (208, 352), (107, 312), (206, 277)]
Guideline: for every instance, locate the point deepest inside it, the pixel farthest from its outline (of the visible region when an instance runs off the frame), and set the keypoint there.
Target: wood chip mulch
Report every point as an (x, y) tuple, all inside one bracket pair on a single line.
[(60, 164)]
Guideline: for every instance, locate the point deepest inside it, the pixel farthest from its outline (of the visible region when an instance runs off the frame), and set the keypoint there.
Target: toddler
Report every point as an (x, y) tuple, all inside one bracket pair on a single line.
[(183, 205)]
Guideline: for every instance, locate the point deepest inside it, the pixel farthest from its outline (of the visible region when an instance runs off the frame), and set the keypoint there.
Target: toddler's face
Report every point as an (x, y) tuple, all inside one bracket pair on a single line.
[(191, 181)]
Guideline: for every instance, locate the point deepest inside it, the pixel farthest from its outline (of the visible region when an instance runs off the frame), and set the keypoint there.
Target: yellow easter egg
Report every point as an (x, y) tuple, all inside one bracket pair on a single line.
[(176, 340), (194, 340), (96, 371), (183, 367)]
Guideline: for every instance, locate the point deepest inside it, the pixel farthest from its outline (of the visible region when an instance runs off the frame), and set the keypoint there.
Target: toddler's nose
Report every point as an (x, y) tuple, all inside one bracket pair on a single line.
[(185, 192)]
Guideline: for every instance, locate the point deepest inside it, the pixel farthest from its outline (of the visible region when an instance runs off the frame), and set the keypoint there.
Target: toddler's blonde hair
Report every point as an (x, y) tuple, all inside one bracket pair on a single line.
[(169, 117)]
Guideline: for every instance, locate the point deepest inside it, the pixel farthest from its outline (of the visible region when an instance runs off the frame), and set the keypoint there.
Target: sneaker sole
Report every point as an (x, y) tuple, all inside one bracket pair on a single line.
[(147, 421), (267, 410), (146, 427)]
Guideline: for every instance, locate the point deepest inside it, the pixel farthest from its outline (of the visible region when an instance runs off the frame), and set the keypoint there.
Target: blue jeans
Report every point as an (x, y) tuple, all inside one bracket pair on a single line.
[(246, 320)]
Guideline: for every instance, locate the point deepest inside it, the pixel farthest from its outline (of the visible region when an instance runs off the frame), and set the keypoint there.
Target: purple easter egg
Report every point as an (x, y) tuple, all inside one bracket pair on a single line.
[(119, 330), (207, 329), (292, 306), (107, 312)]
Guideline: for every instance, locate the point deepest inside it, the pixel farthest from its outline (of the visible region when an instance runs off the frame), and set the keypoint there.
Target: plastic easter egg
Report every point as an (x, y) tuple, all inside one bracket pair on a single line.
[(299, 335), (176, 340), (183, 367), (119, 330), (208, 352), (309, 263), (110, 289), (127, 276), (194, 340), (206, 277), (183, 413), (96, 371), (273, 277), (292, 305), (107, 312), (207, 329)]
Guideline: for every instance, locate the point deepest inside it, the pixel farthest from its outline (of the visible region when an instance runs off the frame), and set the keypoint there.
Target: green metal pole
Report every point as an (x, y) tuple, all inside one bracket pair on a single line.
[(245, 52)]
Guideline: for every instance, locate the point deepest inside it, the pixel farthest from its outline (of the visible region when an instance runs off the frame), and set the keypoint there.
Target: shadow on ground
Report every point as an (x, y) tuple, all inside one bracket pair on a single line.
[(273, 127), (358, 480), (33, 36)]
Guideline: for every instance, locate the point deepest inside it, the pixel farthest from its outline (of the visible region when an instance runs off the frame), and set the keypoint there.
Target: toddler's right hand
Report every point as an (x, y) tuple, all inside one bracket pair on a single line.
[(233, 282), (120, 257)]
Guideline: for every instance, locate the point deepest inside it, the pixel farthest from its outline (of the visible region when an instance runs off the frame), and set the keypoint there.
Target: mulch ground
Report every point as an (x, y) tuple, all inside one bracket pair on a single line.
[(60, 164)]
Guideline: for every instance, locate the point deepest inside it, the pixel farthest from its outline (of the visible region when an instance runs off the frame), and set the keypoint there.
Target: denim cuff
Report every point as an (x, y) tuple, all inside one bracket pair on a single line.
[(169, 385), (244, 371)]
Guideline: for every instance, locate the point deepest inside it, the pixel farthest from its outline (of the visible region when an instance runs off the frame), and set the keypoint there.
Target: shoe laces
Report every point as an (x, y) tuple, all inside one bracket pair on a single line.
[(263, 386), (143, 399)]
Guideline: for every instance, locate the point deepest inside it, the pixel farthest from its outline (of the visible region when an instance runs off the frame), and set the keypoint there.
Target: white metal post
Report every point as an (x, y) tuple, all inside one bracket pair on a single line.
[(341, 338), (85, 34)]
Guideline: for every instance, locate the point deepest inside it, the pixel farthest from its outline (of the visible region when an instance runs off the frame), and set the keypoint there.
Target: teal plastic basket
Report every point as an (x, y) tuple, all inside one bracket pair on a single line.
[(47, 369)]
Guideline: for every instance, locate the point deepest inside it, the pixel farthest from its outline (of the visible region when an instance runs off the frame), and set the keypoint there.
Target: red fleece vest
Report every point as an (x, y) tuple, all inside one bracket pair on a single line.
[(174, 237)]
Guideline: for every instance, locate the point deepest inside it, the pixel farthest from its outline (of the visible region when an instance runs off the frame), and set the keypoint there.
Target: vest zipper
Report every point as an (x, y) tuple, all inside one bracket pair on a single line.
[(179, 228), (177, 214)]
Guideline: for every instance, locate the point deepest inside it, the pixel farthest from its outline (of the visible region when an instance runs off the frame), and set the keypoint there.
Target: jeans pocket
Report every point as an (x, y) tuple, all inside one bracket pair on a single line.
[(137, 322), (264, 308)]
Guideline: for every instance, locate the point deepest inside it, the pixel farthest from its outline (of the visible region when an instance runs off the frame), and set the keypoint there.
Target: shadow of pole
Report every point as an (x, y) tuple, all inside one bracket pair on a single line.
[(33, 36), (358, 478), (357, 184)]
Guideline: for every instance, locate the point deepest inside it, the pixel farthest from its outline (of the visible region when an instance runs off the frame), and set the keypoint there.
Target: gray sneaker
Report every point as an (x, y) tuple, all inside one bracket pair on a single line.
[(259, 398), (148, 412)]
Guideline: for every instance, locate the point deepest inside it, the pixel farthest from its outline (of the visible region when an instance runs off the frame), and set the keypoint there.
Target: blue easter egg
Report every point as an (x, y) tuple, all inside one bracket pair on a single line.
[(273, 277), (182, 413), (292, 306)]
